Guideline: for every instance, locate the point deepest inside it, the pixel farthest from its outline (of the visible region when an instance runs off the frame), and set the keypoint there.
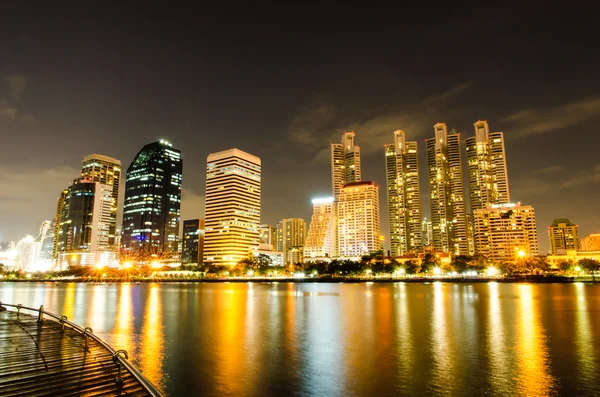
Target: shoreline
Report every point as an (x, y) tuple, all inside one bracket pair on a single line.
[(534, 279)]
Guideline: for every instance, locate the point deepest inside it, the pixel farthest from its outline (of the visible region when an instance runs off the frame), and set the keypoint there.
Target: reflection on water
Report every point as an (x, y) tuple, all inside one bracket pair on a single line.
[(533, 377), (259, 339)]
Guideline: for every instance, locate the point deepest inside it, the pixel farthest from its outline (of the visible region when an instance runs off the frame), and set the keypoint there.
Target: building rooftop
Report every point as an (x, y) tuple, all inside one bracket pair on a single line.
[(360, 183), (233, 153), (558, 221)]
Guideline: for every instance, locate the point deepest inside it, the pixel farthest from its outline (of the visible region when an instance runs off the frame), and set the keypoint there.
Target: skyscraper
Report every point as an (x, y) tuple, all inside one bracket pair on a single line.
[(291, 235), (427, 232), (151, 211), (268, 236), (345, 163), (404, 198), (506, 232), (486, 166), (563, 236), (446, 192), (321, 240), (85, 219), (358, 227), (107, 171), (60, 203), (192, 247), (233, 183)]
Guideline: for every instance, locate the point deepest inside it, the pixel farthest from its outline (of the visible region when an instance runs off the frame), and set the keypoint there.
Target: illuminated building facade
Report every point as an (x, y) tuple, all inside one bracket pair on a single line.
[(486, 166), (151, 210), (427, 232), (403, 193), (233, 188), (291, 235), (192, 247), (446, 192), (563, 236), (268, 236), (590, 243), (345, 163), (60, 203), (358, 227), (106, 171), (321, 239), (506, 232)]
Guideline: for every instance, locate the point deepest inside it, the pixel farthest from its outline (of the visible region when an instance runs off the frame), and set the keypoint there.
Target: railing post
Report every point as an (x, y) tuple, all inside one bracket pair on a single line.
[(62, 321), (41, 314), (87, 331), (19, 306), (116, 360)]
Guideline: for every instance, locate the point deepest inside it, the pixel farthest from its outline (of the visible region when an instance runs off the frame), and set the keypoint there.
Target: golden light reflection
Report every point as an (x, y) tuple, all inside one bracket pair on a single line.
[(584, 339), (442, 371), (229, 344), (534, 378), (96, 313), (500, 371), (68, 308), (152, 341), (405, 338), (123, 322)]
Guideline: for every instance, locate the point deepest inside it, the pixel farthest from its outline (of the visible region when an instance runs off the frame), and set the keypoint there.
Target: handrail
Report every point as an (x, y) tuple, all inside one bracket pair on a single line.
[(118, 357)]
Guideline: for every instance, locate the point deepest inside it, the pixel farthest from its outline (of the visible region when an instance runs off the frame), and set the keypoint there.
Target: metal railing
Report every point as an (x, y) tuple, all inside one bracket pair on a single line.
[(120, 357)]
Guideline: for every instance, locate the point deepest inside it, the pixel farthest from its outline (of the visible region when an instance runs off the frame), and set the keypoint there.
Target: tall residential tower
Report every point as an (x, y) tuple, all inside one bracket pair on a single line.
[(446, 191), (403, 193), (345, 163)]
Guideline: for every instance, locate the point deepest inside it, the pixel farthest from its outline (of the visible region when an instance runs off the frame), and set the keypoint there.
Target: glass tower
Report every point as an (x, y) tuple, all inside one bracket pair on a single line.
[(151, 210)]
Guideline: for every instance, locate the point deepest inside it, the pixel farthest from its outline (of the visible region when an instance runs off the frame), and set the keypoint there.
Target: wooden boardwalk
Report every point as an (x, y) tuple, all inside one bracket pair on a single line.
[(39, 359)]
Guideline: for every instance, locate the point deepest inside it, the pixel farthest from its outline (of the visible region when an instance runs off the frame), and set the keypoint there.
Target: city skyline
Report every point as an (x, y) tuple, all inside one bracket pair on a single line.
[(111, 84)]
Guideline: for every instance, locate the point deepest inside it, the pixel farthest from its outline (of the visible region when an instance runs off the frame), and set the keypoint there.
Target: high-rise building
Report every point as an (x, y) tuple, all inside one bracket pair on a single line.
[(107, 171), (470, 234), (232, 231), (85, 221), (345, 163), (291, 235), (46, 240), (427, 232), (563, 236), (403, 193), (358, 219), (151, 210), (590, 243), (60, 203), (192, 249), (486, 166), (506, 232), (446, 192), (268, 236), (321, 240)]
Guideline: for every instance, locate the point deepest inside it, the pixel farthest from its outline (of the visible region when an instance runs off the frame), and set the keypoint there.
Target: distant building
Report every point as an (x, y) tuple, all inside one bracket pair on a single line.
[(107, 171), (446, 191), (563, 236), (590, 243), (232, 227), (427, 232), (268, 235), (60, 204), (192, 250), (321, 241), (506, 232), (403, 194), (151, 210), (275, 256), (358, 230), (291, 234), (345, 163)]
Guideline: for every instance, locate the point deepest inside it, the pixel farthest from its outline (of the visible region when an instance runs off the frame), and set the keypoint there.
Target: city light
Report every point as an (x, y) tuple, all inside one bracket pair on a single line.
[(521, 253), (127, 264), (156, 265), (250, 272), (322, 200), (437, 270), (492, 271)]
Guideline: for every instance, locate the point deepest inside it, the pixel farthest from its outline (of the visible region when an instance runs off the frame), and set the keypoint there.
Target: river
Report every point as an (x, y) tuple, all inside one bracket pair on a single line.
[(364, 339)]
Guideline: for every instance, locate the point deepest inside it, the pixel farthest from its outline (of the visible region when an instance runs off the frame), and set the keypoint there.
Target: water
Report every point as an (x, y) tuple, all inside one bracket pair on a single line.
[(312, 339)]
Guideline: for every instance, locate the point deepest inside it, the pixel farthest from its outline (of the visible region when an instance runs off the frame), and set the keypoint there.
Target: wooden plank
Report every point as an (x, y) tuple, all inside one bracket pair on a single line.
[(40, 359)]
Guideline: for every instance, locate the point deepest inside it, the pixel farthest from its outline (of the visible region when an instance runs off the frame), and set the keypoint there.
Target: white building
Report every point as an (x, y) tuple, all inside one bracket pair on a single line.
[(358, 226), (322, 233), (232, 226)]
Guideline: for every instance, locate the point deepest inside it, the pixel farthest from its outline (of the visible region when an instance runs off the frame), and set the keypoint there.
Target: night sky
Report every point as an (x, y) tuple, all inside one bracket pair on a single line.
[(281, 82)]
